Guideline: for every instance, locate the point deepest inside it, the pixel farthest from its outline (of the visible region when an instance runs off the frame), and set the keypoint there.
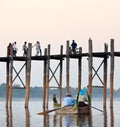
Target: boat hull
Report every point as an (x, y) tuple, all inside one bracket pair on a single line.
[(70, 110)]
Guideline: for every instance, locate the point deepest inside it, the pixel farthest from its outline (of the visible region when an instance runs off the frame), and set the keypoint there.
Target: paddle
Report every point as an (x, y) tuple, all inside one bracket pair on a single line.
[(97, 109), (48, 111), (89, 101)]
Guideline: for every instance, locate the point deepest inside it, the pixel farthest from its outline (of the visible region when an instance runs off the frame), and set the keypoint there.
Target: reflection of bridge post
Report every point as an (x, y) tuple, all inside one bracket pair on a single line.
[(46, 120), (90, 118), (9, 117), (105, 117), (111, 117), (55, 118), (11, 124), (27, 114), (60, 121), (54, 121)]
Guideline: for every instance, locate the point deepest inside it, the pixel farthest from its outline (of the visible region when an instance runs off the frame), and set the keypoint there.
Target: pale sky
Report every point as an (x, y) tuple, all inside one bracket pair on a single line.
[(55, 21)]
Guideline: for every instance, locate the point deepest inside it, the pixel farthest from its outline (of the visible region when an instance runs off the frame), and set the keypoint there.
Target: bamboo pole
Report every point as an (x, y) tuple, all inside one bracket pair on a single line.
[(61, 69), (105, 76), (79, 69), (44, 79), (67, 67), (47, 83), (28, 71), (111, 72), (90, 64)]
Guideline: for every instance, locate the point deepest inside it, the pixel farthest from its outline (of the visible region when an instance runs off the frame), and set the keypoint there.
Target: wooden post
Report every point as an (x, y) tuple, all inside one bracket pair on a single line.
[(105, 77), (111, 72), (44, 79), (90, 64), (61, 68), (7, 83), (10, 76), (28, 71), (7, 78), (67, 67), (47, 82), (79, 69)]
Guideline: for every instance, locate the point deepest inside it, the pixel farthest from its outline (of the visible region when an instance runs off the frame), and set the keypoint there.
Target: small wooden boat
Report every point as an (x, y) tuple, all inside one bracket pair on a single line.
[(71, 110)]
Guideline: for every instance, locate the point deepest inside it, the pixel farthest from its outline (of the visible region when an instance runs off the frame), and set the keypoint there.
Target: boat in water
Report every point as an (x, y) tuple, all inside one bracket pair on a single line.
[(74, 111)]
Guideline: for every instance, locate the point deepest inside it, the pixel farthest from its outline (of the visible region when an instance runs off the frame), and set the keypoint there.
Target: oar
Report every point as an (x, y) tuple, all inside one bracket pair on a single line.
[(98, 109), (89, 100), (48, 111)]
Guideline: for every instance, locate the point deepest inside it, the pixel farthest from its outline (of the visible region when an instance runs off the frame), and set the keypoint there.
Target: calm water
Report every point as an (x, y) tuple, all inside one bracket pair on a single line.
[(17, 116)]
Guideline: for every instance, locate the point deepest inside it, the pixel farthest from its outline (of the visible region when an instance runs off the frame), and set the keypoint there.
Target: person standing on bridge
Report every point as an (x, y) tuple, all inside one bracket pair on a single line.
[(9, 49), (25, 49), (14, 49), (38, 48), (74, 45)]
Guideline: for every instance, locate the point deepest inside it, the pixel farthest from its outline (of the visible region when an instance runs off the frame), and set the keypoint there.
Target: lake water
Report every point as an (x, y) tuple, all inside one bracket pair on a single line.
[(18, 116)]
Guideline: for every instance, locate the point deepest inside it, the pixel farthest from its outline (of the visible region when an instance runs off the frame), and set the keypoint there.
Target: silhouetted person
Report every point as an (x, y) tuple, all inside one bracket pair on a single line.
[(74, 45), (25, 49), (9, 49)]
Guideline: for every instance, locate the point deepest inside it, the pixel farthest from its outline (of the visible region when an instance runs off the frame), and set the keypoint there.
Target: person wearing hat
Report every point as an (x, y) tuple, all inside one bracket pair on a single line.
[(82, 98), (68, 100)]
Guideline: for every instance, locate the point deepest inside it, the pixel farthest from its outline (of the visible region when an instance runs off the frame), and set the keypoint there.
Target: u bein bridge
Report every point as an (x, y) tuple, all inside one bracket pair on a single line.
[(47, 57)]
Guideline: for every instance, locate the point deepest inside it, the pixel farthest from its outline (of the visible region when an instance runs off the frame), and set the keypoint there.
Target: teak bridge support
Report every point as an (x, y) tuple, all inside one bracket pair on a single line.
[(47, 57)]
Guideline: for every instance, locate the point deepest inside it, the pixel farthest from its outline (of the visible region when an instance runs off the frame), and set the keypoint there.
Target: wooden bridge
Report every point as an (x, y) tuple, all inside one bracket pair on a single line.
[(47, 69)]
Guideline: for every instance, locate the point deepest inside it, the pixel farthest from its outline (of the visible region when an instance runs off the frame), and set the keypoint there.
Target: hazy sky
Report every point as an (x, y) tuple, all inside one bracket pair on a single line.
[(55, 21)]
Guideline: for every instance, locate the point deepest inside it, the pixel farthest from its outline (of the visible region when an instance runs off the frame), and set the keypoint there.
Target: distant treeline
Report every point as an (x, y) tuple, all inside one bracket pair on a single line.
[(37, 92)]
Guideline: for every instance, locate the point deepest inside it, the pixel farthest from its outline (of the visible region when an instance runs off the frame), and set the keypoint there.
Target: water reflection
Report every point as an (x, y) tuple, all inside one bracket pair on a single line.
[(58, 120), (111, 117), (27, 114), (105, 117), (67, 120), (9, 118)]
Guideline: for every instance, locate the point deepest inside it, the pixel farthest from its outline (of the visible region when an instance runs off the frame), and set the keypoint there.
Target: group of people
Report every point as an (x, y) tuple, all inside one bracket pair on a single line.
[(82, 99), (72, 49), (12, 49)]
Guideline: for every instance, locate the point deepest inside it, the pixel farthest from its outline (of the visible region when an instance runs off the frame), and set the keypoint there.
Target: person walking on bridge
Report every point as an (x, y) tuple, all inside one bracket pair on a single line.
[(38, 48)]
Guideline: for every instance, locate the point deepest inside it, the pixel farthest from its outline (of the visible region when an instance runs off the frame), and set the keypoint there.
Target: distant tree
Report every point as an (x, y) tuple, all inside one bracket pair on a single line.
[(3, 85)]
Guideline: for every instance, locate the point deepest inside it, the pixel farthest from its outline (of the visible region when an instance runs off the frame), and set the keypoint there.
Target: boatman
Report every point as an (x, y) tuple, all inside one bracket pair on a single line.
[(82, 98)]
